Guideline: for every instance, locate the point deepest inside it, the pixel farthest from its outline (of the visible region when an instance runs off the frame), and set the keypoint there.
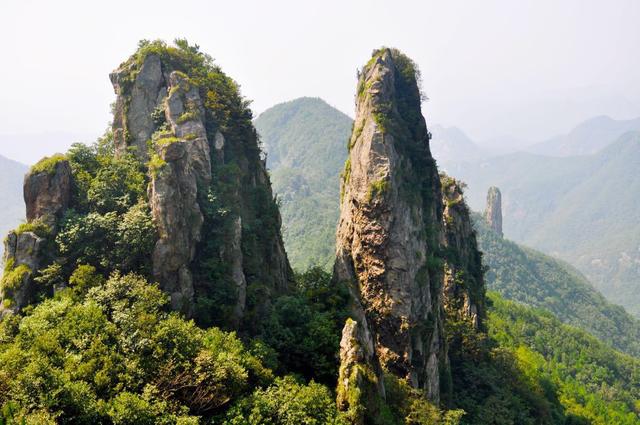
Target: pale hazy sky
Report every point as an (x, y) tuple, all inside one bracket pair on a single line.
[(527, 69)]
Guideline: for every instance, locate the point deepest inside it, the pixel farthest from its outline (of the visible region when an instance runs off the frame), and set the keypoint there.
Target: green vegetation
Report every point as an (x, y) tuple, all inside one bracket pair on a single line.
[(38, 227), (47, 164), (532, 369), (188, 116), (305, 144), (377, 189), (111, 354), (524, 275), (590, 379), (13, 275)]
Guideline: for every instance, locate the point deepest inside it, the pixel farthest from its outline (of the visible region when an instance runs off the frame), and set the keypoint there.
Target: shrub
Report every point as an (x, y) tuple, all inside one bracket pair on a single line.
[(47, 164)]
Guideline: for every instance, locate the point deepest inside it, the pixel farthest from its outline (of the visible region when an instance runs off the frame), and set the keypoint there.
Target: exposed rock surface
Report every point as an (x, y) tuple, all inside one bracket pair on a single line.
[(390, 229), (210, 194), (174, 191), (22, 258), (493, 213), (47, 193), (464, 289), (139, 94), (359, 382)]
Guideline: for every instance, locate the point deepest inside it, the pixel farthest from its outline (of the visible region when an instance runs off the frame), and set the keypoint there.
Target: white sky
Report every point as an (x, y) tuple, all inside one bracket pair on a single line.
[(526, 69)]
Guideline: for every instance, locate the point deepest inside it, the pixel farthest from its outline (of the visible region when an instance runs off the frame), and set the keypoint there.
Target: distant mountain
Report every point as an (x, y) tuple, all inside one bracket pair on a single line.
[(450, 144), (530, 277), (587, 138), (583, 209), (306, 144), (12, 206)]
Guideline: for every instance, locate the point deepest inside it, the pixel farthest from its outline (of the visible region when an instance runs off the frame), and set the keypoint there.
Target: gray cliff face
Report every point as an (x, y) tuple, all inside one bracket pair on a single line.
[(390, 224), (176, 185), (208, 191), (464, 288), (47, 194), (22, 258), (138, 103), (493, 213)]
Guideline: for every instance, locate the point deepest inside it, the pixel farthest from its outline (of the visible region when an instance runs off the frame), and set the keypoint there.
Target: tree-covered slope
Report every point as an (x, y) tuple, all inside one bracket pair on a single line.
[(584, 210), (12, 211), (306, 145), (530, 277), (593, 383)]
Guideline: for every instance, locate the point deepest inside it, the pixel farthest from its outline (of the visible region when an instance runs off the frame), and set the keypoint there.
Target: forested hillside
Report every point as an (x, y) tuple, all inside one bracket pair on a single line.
[(530, 277), (306, 145)]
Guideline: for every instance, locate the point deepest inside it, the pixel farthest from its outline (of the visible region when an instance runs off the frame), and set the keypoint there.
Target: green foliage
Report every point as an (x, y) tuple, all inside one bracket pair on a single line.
[(287, 402), (590, 380), (115, 356), (85, 277), (13, 275), (47, 164), (305, 327), (188, 116), (522, 274), (117, 185), (38, 227), (377, 189), (109, 241)]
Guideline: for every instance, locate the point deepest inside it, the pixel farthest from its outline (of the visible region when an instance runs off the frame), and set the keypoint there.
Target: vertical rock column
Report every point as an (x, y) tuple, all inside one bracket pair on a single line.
[(46, 193), (181, 172), (390, 227), (493, 213)]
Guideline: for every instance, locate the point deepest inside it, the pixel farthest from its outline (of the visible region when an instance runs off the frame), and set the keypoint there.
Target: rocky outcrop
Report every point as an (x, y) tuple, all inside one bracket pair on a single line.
[(47, 189), (390, 230), (140, 91), (183, 172), (47, 193), (464, 289), (493, 213), (220, 253), (360, 387), (22, 258)]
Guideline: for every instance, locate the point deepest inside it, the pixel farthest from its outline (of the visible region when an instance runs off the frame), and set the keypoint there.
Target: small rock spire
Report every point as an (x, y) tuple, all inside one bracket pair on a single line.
[(493, 213)]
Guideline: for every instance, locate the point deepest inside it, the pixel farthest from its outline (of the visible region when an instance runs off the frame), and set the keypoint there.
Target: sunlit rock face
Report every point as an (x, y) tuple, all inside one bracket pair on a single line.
[(390, 227)]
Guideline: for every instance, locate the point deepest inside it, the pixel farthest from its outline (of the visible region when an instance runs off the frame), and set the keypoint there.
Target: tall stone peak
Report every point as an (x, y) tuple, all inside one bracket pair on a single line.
[(47, 193), (185, 130), (390, 228), (493, 213), (406, 246), (209, 191)]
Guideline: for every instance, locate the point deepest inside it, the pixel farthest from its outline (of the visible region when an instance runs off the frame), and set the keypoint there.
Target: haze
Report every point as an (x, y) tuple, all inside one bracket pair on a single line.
[(505, 72)]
